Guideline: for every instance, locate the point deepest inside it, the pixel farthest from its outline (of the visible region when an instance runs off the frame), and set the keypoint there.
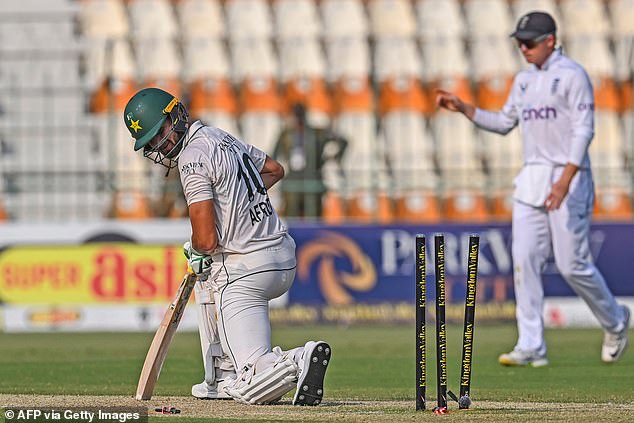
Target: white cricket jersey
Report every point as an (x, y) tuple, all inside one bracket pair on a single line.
[(554, 107), (214, 165)]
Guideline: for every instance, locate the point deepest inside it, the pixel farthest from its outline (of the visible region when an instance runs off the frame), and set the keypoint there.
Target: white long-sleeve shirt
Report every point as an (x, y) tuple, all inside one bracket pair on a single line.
[(554, 107)]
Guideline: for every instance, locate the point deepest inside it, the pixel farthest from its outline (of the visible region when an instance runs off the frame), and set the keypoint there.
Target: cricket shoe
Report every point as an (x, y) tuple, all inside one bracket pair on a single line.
[(209, 392), (614, 343), (312, 370), (519, 357)]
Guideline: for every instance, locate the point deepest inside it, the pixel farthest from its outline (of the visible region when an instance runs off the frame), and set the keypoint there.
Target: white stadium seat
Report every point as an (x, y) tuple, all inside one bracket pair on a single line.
[(391, 18), (593, 53), (493, 56), (248, 19), (347, 57), (488, 17), (104, 18), (205, 58), (360, 161), (442, 57), (343, 18), (252, 58), (439, 18), (261, 129), (622, 14), (584, 17), (458, 154), (396, 57), (301, 57), (296, 18), (157, 58), (200, 19), (152, 19)]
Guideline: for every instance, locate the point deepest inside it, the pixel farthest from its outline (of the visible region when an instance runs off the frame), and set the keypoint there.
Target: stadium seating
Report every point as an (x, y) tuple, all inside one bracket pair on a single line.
[(200, 19), (391, 18), (439, 18), (343, 19), (367, 68)]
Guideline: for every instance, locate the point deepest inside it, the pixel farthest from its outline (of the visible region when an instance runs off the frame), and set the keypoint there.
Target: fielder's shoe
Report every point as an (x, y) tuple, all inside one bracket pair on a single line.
[(216, 391), (614, 343), (312, 370), (519, 357)]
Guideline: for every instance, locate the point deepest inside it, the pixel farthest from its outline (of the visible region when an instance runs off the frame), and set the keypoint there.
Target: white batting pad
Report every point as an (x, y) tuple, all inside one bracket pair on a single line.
[(268, 385), (217, 365)]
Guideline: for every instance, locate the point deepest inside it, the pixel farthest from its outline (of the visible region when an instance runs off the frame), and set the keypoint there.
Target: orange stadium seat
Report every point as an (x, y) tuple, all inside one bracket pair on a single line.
[(352, 94), (130, 205), (611, 204), (333, 208), (369, 207), (627, 96), (418, 207), (258, 94), (311, 91), (172, 85), (112, 95), (212, 94), (3, 213), (491, 93), (606, 94), (466, 206), (403, 94)]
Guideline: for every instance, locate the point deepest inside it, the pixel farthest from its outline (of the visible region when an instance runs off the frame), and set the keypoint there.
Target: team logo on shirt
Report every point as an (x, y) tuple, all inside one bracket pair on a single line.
[(523, 88), (541, 113), (582, 107), (553, 86), (190, 168)]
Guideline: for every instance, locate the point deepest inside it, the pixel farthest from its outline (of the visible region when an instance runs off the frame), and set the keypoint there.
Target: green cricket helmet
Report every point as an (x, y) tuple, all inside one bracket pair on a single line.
[(145, 114)]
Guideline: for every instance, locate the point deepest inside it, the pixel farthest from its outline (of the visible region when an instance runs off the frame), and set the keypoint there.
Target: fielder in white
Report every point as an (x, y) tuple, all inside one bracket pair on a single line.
[(240, 250), (552, 102)]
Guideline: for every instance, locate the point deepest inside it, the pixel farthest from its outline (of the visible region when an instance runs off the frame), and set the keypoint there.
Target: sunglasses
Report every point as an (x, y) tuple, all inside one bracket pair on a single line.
[(531, 44)]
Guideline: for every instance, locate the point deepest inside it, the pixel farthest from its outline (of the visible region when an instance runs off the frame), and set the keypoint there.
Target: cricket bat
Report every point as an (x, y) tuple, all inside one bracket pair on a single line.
[(163, 338)]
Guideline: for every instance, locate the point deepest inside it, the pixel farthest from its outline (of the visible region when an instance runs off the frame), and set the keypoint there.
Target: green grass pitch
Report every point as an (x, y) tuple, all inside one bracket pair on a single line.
[(373, 364)]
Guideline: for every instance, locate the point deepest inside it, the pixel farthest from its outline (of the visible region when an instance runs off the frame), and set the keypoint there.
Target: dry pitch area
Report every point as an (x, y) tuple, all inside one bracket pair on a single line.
[(341, 411)]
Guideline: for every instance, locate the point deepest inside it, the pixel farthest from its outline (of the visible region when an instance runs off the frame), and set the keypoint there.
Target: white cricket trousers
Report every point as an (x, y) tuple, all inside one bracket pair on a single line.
[(245, 285), (564, 232)]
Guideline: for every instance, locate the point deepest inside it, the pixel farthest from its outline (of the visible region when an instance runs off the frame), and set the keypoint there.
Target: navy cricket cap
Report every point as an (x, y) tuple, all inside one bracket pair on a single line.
[(534, 24)]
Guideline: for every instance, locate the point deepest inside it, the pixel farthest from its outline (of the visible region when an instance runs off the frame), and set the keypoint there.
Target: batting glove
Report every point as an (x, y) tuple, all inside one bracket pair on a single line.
[(199, 262)]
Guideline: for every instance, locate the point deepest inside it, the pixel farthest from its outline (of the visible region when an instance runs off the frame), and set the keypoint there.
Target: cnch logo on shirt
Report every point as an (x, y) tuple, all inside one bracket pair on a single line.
[(541, 113)]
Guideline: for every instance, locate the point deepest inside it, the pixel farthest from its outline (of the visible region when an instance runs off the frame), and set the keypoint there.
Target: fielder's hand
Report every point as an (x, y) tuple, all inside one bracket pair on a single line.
[(199, 262), (449, 101)]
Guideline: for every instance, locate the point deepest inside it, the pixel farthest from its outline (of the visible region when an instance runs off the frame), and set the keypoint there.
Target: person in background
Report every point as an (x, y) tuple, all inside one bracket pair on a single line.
[(304, 149), (553, 103), (239, 249)]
